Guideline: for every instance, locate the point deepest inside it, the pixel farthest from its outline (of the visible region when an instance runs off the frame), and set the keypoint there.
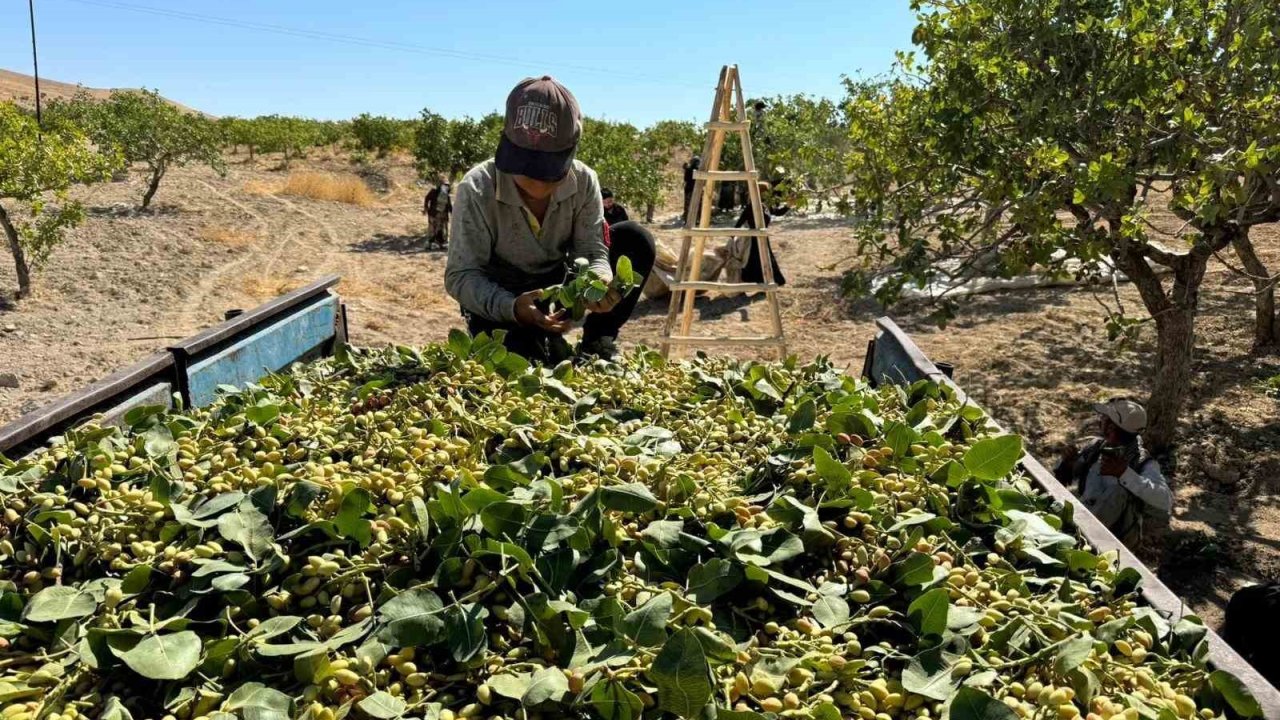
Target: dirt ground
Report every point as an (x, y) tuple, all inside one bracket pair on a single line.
[(126, 283)]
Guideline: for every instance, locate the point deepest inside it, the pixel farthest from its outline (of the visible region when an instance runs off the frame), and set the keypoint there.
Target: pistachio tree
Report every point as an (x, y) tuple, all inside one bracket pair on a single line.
[(37, 168), (150, 131), (1034, 135)]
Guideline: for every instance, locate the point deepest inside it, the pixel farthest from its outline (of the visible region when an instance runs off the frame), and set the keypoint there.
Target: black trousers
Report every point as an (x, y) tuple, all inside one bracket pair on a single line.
[(626, 238)]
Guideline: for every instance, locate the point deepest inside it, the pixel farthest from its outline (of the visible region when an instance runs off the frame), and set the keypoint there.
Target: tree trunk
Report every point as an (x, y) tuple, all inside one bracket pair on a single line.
[(157, 173), (19, 257), (648, 213), (1264, 319), (1174, 314), (1175, 344)]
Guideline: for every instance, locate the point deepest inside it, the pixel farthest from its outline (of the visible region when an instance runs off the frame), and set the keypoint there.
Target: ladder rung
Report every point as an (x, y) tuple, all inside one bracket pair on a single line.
[(727, 287), (728, 125), (724, 232), (700, 340), (723, 175)]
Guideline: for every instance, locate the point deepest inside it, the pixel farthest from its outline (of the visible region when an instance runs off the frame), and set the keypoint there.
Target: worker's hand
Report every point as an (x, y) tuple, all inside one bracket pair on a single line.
[(1112, 465), (529, 315), (606, 303)]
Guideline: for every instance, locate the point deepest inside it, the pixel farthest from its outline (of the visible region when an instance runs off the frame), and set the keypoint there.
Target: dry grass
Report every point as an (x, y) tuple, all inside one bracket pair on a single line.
[(264, 286), (402, 292), (228, 237), (348, 189), (262, 187)]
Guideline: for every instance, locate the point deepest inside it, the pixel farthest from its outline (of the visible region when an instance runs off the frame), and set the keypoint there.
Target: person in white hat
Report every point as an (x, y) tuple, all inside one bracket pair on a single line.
[(1117, 479)]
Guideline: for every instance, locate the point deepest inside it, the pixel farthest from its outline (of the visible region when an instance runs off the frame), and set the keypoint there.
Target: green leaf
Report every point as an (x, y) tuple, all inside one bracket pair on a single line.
[(710, 580), (164, 657), (136, 580), (830, 610), (682, 674), (1235, 693), (503, 519), (624, 275), (273, 627), (158, 442), (802, 417), (929, 674), (460, 343), (262, 414), (464, 629), (412, 618), (973, 704), (613, 701), (546, 685), (993, 458), (350, 520), (217, 504), (632, 498), (915, 569), (112, 709), (303, 494), (898, 437), (59, 602), (929, 612), (1073, 654), (257, 696), (250, 529), (512, 685), (834, 473), (647, 624), (383, 706)]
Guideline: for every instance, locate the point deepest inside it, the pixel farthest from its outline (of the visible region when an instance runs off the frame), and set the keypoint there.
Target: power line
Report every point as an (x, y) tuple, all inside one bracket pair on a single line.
[(373, 43), (35, 60)]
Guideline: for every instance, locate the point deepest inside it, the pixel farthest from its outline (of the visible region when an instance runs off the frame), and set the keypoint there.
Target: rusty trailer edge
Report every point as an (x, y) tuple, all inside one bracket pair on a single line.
[(897, 358)]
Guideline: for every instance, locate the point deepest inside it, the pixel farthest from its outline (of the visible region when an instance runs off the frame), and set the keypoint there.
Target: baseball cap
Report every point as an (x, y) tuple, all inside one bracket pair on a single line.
[(1125, 414), (541, 131)]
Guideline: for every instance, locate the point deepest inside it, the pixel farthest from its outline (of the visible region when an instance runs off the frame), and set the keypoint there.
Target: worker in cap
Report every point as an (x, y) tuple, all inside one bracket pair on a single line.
[(1116, 479), (522, 219)]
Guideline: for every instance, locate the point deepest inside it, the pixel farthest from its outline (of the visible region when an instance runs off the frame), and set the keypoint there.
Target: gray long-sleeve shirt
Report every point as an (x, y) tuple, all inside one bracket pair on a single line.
[(493, 250)]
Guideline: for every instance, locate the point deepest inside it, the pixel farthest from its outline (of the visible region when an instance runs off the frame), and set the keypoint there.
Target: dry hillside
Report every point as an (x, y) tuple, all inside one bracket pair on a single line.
[(20, 88)]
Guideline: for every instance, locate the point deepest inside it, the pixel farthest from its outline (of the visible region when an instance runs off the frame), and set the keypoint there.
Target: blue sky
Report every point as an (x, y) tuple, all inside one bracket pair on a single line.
[(638, 62)]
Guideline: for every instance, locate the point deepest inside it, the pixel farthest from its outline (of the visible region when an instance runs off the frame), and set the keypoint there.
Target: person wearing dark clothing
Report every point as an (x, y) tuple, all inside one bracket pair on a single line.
[(1251, 629), (689, 169), (753, 271), (437, 207), (614, 212), (599, 330)]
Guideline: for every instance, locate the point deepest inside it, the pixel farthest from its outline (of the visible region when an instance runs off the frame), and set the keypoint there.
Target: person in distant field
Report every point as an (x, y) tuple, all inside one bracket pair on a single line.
[(521, 220), (1117, 479), (614, 212), (689, 169), (753, 271), (437, 207)]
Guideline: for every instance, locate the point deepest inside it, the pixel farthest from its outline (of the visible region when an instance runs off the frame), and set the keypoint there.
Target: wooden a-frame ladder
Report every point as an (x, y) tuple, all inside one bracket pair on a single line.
[(728, 114)]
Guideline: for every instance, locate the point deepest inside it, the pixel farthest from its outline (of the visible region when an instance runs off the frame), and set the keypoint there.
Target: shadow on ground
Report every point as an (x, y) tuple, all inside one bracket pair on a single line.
[(396, 244), (122, 210)]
